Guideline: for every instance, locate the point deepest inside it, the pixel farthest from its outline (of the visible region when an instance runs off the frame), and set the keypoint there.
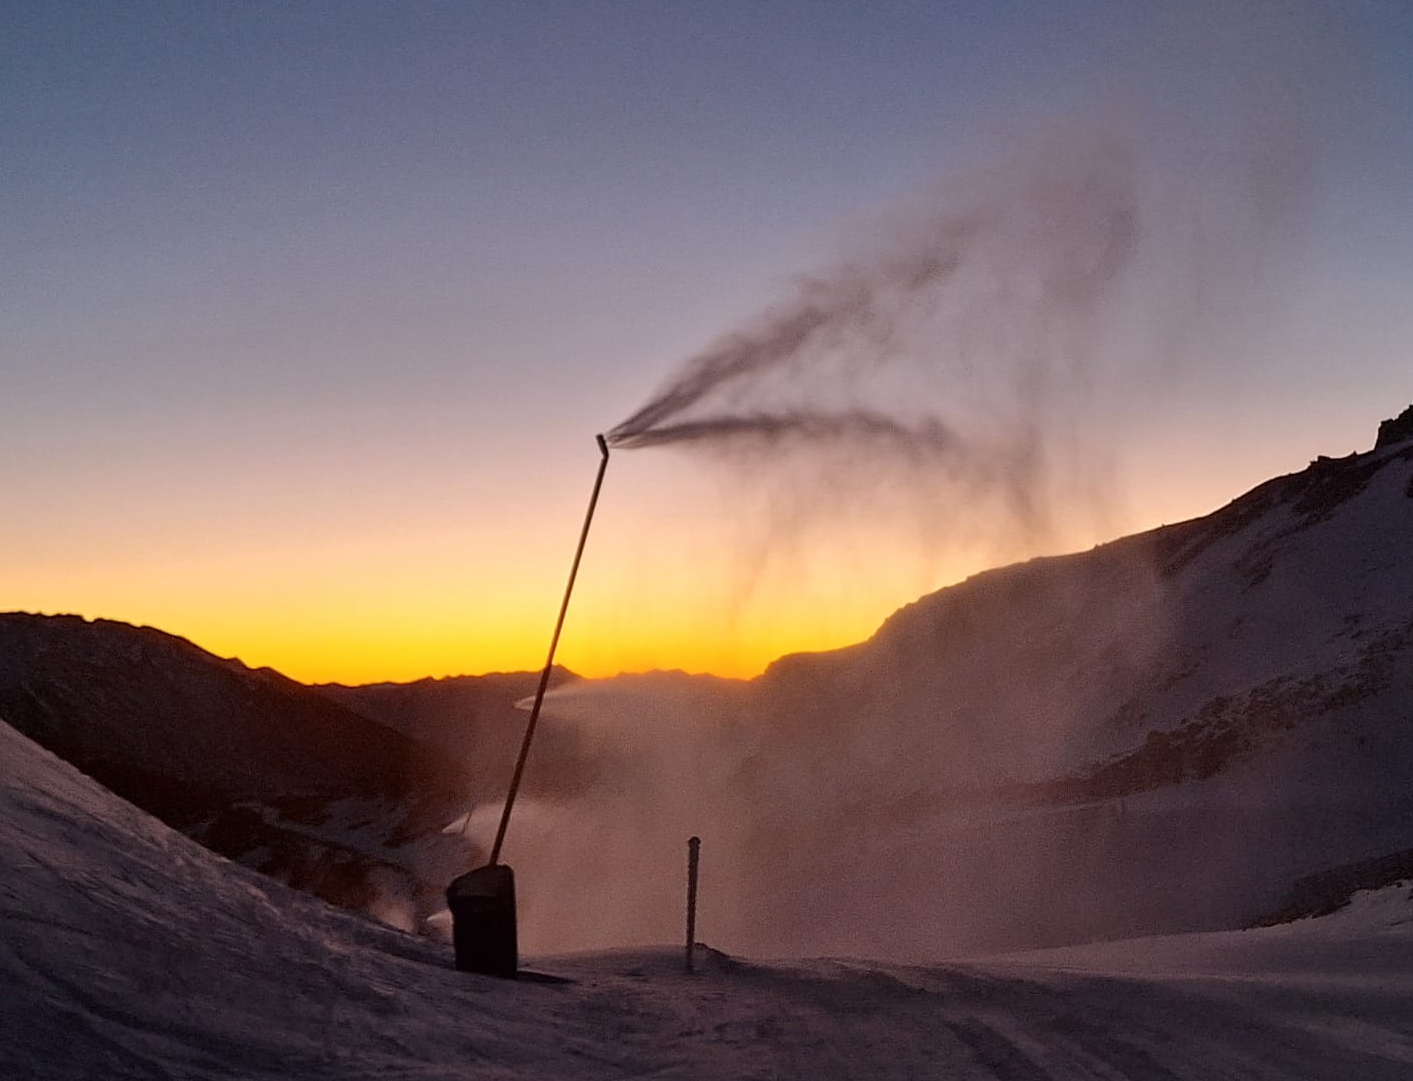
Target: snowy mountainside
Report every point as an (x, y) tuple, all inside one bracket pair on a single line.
[(129, 952), (1166, 733), (1294, 600), (250, 763), (1163, 733), (476, 722), (456, 713)]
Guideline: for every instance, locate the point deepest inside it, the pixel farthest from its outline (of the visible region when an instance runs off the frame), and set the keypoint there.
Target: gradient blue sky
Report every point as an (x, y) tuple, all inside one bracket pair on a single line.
[(310, 311)]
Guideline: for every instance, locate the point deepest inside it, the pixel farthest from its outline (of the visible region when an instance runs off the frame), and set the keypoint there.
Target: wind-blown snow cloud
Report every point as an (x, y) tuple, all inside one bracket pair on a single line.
[(946, 352), (978, 345), (1039, 245)]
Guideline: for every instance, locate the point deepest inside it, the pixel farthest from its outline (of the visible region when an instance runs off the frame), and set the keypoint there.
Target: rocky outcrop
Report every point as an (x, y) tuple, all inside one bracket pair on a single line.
[(1397, 430)]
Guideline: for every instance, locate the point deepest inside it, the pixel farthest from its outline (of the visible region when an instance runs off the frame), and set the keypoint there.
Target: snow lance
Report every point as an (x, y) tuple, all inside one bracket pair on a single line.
[(482, 901)]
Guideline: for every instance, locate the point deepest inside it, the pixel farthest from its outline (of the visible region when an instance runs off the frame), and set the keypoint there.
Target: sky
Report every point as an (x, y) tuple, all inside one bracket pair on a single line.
[(310, 311)]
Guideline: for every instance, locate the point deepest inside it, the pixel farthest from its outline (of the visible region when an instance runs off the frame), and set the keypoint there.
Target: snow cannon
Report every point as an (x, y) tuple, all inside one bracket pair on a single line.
[(482, 904), (482, 901)]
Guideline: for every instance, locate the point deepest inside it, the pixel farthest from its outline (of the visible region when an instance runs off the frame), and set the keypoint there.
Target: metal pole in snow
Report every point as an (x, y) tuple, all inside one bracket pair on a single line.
[(549, 662), (694, 847)]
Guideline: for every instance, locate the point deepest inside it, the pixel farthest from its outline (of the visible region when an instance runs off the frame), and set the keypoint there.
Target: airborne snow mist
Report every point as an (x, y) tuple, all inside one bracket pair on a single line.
[(1034, 252), (979, 343), (962, 369), (947, 353)]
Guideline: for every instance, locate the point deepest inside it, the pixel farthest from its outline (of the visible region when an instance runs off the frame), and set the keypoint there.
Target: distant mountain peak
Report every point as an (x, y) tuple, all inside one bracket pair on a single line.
[(1397, 430)]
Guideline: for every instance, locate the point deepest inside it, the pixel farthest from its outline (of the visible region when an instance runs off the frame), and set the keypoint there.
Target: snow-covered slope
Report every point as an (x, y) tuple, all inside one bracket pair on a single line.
[(1228, 634), (1164, 733), (130, 952), (252, 764)]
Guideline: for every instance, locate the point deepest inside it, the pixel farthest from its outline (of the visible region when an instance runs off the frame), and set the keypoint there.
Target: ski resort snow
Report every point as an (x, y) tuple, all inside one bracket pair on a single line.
[(1144, 812), (132, 952)]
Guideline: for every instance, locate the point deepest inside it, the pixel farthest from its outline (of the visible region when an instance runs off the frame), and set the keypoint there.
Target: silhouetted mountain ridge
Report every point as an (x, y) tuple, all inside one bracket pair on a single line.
[(246, 760)]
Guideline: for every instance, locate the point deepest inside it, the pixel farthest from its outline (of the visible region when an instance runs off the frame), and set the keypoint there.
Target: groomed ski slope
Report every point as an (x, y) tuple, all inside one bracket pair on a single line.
[(130, 952)]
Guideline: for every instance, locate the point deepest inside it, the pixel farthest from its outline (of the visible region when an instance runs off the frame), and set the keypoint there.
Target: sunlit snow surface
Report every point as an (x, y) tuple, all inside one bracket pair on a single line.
[(130, 952)]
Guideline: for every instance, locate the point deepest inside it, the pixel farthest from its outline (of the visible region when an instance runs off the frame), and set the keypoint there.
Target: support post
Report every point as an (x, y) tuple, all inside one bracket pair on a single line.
[(549, 662), (694, 847), (482, 901)]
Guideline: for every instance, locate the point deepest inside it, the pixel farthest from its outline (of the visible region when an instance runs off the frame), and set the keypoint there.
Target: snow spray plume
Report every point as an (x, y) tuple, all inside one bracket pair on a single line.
[(944, 748), (956, 353), (1050, 236), (922, 440), (826, 308)]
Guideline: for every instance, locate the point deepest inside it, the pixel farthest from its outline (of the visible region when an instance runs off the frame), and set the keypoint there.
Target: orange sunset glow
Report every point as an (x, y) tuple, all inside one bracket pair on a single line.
[(687, 586), (304, 360)]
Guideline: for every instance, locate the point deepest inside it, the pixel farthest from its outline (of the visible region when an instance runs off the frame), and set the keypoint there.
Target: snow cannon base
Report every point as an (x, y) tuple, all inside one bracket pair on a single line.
[(482, 904)]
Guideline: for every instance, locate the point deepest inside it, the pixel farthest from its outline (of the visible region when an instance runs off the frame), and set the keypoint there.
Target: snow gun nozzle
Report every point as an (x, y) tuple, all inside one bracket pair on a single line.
[(603, 445)]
